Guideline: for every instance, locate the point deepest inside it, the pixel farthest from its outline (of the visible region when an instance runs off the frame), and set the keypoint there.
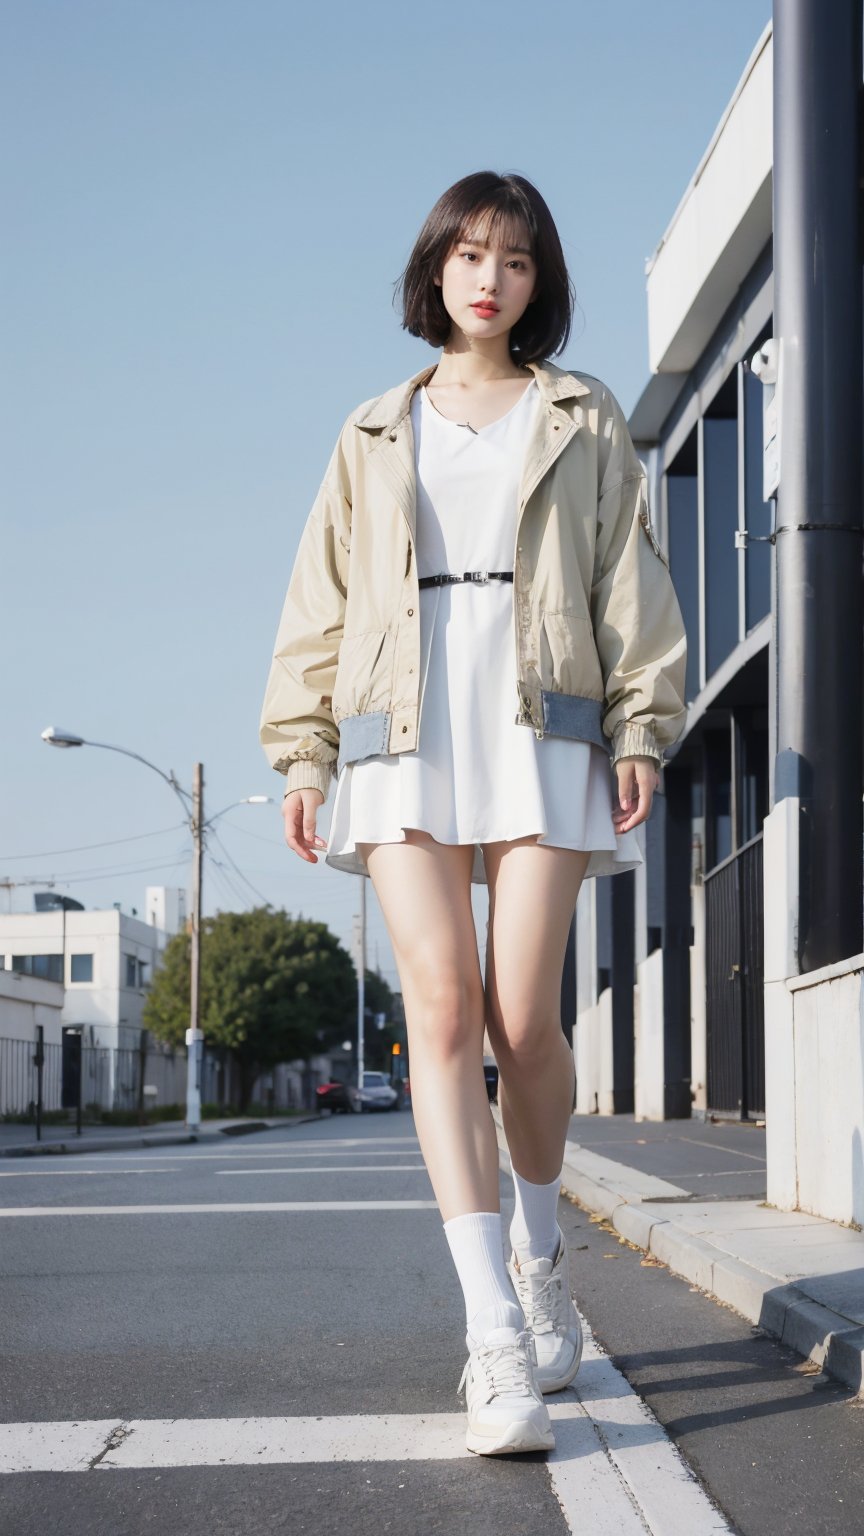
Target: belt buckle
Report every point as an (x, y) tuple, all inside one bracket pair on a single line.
[(480, 576)]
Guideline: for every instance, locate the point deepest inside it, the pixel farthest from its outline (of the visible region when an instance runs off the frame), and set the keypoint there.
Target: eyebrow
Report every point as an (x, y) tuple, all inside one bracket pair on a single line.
[(512, 250)]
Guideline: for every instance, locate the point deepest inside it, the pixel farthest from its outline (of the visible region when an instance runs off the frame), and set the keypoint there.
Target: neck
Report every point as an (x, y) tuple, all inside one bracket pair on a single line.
[(465, 360)]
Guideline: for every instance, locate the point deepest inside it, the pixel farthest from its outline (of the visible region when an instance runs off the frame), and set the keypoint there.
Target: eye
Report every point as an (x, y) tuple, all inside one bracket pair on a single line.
[(469, 253)]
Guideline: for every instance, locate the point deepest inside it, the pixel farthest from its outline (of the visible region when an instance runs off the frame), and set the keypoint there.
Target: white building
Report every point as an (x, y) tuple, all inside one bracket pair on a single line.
[(103, 960), (75, 981)]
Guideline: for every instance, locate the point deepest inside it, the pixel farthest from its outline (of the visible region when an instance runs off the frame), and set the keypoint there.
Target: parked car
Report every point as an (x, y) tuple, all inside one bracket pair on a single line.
[(490, 1072), (337, 1097), (376, 1093)]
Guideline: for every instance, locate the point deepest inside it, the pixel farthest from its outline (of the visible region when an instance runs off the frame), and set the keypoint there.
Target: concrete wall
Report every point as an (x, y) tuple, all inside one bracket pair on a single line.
[(814, 1052), (650, 1051), (26, 1001)]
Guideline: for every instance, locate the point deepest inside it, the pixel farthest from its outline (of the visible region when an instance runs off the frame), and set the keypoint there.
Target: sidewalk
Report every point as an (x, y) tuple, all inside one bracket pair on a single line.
[(692, 1193), (20, 1140)]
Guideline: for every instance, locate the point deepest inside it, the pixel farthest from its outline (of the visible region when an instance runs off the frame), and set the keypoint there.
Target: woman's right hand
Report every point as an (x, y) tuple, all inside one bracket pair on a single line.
[(299, 810)]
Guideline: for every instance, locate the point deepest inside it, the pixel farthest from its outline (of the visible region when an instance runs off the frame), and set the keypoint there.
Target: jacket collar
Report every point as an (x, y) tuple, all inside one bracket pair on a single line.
[(387, 410)]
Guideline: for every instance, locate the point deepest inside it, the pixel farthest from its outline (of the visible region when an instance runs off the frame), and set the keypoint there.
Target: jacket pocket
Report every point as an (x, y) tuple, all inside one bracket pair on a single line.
[(568, 655), (358, 671)]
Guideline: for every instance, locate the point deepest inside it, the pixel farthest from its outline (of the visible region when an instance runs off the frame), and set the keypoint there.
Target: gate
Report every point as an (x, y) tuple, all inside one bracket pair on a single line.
[(735, 1013)]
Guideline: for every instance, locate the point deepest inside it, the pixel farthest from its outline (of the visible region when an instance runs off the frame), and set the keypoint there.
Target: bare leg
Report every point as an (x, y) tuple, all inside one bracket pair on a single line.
[(532, 895), (424, 890)]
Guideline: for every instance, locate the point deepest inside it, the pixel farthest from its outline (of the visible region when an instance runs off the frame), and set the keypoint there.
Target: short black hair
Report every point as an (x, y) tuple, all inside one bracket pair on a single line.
[(504, 206)]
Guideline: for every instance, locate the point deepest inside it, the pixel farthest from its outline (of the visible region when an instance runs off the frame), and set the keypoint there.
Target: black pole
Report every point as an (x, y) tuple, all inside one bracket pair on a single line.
[(818, 321), (39, 1059)]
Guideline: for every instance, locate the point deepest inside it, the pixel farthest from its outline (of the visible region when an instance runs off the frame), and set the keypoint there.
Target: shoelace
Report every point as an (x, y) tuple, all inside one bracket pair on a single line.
[(505, 1366), (539, 1305)]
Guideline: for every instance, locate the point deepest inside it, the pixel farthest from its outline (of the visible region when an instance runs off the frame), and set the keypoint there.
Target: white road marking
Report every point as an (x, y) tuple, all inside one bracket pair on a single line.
[(217, 1208), (661, 1485), (614, 1470), (242, 1173), (80, 1173), (232, 1153)]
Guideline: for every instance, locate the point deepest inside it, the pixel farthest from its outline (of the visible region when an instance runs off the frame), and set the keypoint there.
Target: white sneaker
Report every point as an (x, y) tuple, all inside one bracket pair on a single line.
[(506, 1411), (543, 1288)]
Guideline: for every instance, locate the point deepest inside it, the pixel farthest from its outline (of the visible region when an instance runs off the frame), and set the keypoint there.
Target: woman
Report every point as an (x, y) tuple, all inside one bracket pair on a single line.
[(481, 542)]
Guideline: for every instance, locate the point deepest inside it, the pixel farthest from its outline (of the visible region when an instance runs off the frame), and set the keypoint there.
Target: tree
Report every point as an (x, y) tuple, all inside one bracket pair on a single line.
[(271, 987)]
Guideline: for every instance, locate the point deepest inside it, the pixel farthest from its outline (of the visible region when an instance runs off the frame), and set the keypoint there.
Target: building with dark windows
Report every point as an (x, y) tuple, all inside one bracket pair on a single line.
[(654, 948), (715, 979)]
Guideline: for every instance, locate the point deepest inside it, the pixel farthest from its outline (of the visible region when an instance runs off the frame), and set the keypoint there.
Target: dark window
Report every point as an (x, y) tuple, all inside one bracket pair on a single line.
[(758, 513), (47, 967), (682, 506), (131, 971), (82, 968), (720, 493), (753, 772)]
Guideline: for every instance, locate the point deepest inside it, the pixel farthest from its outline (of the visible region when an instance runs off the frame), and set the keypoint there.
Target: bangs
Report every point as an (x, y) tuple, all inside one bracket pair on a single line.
[(498, 224)]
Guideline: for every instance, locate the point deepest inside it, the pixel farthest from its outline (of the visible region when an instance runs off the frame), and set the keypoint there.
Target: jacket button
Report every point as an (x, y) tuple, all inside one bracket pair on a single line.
[(392, 437), (410, 611), (557, 425)]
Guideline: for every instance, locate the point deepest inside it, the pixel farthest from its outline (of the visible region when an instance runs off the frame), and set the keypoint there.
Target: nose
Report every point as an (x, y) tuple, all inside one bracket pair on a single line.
[(490, 278)]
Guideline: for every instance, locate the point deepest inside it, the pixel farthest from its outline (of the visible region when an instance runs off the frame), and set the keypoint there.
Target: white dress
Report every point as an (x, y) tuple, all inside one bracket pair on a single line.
[(475, 776)]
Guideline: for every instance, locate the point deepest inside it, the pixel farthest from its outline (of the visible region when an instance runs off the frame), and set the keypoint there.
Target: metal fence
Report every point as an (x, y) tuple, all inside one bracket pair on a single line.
[(109, 1078), (734, 930)]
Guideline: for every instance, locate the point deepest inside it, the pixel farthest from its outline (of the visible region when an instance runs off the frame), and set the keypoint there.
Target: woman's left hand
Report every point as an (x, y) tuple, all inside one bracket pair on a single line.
[(637, 780)]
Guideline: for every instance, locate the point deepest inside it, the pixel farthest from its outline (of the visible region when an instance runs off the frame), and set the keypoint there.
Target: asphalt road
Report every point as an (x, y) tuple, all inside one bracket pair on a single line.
[(173, 1356)]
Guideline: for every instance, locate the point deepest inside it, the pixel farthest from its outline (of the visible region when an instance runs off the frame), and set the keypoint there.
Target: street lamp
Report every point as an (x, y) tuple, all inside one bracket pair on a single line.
[(194, 1035)]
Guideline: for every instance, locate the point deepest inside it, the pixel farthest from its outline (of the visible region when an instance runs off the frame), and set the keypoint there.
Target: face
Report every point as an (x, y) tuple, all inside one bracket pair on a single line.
[(478, 272)]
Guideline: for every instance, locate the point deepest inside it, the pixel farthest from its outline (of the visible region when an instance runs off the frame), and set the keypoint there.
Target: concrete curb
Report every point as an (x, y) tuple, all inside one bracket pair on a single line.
[(118, 1143), (833, 1342)]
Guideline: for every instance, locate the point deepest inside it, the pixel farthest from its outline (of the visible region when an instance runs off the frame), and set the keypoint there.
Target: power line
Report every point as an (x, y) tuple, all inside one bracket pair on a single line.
[(111, 874), (56, 853), (256, 893)]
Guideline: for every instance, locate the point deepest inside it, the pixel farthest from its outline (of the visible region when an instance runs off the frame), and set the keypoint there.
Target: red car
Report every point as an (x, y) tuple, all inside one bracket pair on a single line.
[(337, 1097)]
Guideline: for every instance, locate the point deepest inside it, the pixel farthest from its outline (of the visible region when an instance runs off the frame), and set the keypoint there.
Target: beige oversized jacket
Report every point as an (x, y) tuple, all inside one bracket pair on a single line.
[(600, 641)]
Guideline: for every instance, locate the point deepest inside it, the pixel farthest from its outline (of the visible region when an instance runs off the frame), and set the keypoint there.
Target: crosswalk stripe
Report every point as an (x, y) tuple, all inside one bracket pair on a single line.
[(217, 1208), (82, 1173), (614, 1470), (242, 1173)]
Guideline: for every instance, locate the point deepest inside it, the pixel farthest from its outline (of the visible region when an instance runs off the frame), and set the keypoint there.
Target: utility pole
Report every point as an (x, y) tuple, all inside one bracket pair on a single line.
[(818, 535), (194, 1035)]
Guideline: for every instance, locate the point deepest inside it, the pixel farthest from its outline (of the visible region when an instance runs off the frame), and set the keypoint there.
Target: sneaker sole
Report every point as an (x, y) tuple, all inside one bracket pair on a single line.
[(511, 1438)]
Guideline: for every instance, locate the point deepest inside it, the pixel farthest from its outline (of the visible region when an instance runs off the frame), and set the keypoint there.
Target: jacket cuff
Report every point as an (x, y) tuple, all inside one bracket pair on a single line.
[(630, 739), (305, 773)]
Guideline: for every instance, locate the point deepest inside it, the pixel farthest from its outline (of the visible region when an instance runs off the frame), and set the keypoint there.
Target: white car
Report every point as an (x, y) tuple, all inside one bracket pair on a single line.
[(376, 1093)]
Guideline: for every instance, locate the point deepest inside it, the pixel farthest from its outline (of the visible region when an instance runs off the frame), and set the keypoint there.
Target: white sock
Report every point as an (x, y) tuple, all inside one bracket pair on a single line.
[(490, 1301), (534, 1229)]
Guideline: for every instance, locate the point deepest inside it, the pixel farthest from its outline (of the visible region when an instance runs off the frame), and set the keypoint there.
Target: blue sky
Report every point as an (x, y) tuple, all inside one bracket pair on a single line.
[(206, 207)]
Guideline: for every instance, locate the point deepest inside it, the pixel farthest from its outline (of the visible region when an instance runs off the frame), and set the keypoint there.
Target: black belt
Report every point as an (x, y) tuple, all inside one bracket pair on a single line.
[(439, 581)]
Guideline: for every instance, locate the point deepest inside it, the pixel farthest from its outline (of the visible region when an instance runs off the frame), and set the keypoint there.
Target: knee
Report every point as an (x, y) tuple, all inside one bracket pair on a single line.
[(523, 1038), (448, 1017)]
